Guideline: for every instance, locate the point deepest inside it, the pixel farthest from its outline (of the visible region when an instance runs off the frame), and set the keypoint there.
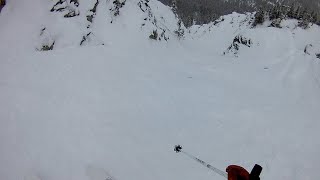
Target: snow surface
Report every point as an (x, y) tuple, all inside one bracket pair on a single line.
[(118, 110)]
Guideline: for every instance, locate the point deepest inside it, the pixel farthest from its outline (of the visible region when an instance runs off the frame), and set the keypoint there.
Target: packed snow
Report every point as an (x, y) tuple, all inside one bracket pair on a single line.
[(115, 108)]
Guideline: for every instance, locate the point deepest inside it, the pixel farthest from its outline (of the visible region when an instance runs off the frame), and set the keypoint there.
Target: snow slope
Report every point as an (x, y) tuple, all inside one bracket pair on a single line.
[(118, 109), (135, 22)]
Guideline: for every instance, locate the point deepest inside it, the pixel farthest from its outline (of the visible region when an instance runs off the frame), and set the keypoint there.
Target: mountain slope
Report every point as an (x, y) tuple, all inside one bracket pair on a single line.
[(96, 22), (117, 109)]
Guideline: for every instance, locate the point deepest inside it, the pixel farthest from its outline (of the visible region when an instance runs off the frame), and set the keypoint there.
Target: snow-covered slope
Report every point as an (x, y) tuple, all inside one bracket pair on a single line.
[(41, 23), (116, 106), (268, 41)]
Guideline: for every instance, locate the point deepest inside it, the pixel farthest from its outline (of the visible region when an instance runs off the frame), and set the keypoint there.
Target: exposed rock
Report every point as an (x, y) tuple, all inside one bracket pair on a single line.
[(276, 23), (70, 8), (237, 42), (154, 35), (71, 14)]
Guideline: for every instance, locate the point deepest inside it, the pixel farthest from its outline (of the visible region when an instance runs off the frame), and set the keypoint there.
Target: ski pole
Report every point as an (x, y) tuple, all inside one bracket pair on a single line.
[(178, 149)]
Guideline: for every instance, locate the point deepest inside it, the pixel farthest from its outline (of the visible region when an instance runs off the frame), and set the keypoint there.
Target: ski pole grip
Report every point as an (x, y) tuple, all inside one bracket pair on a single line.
[(255, 172)]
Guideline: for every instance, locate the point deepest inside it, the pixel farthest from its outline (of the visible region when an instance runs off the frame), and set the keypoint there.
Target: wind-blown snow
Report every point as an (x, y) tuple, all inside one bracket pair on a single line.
[(122, 107)]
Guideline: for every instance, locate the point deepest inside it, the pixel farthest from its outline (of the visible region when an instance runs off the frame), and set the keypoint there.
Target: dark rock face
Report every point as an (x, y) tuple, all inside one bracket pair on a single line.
[(237, 42), (2, 4), (68, 6)]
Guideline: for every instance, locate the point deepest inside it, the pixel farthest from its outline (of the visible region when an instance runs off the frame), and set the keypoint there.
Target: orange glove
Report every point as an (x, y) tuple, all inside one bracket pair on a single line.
[(237, 173)]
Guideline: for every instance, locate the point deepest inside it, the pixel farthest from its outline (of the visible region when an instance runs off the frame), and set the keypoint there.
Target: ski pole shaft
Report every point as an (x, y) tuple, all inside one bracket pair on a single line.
[(216, 170)]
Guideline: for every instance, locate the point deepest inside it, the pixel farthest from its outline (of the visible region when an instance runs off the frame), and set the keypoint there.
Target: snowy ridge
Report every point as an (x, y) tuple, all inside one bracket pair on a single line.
[(73, 23), (222, 33), (69, 23), (104, 22)]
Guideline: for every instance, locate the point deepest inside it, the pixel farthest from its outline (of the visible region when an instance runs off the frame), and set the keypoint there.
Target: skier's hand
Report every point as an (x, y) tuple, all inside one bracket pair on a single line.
[(235, 171)]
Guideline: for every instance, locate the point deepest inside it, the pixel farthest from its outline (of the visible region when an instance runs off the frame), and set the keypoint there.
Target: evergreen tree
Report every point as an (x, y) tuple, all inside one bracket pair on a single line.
[(180, 31), (174, 7), (297, 13), (276, 12), (259, 17), (304, 19), (273, 13), (303, 15), (314, 17), (291, 12)]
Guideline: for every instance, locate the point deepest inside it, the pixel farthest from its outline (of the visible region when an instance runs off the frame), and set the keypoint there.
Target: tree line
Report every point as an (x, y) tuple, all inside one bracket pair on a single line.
[(205, 11), (281, 11)]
